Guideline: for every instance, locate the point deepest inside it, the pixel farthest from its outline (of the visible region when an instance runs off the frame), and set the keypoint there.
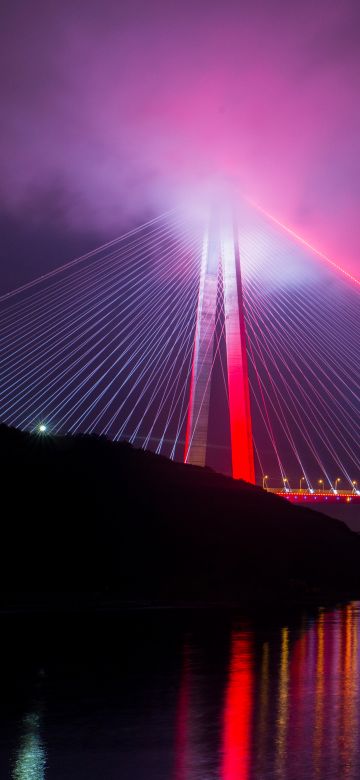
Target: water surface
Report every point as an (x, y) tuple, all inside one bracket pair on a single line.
[(179, 696)]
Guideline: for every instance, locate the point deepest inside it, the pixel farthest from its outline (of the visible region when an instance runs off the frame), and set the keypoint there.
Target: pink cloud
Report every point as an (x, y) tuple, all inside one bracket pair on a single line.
[(133, 106)]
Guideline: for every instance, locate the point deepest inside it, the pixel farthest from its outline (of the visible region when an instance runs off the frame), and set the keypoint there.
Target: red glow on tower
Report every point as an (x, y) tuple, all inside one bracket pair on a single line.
[(237, 365), (221, 252)]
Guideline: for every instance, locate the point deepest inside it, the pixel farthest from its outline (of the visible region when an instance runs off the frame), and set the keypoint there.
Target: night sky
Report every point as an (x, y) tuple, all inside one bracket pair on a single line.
[(113, 111)]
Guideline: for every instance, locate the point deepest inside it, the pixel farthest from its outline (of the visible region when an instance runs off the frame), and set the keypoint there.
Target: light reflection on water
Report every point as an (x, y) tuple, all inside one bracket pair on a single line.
[(238, 710), (30, 756), (246, 703), (290, 710)]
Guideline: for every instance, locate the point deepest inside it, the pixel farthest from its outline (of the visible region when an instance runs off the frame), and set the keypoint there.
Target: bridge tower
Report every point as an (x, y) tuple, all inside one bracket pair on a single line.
[(221, 254)]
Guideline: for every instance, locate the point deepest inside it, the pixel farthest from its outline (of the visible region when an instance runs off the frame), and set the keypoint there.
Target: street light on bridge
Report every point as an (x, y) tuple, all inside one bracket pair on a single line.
[(321, 483), (265, 479), (286, 484), (354, 484), (302, 479), (336, 484)]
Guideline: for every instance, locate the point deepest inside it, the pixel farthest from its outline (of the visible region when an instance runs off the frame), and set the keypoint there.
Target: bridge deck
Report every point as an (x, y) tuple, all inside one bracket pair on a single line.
[(318, 497)]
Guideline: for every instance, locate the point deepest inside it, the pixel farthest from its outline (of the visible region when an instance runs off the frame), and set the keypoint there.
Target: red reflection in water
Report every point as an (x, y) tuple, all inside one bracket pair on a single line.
[(297, 677), (238, 710), (298, 718)]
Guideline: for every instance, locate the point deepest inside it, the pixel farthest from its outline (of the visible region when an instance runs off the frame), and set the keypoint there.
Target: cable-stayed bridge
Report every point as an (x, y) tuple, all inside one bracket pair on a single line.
[(224, 341)]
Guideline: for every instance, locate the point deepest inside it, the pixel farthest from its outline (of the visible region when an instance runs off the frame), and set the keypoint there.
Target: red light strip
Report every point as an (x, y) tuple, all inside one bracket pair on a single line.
[(238, 383)]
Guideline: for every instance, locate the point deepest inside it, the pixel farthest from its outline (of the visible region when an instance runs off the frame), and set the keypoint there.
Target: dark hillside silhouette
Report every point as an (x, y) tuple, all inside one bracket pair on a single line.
[(86, 514)]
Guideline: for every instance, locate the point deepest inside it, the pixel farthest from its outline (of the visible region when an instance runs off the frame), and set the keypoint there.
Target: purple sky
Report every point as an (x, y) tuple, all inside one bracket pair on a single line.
[(113, 110)]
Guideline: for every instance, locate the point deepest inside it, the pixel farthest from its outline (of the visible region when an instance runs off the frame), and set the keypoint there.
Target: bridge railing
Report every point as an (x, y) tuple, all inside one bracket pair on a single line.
[(307, 492), (316, 496)]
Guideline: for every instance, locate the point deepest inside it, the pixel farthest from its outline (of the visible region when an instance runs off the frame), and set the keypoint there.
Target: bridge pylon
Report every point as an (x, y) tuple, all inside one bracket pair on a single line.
[(221, 255)]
